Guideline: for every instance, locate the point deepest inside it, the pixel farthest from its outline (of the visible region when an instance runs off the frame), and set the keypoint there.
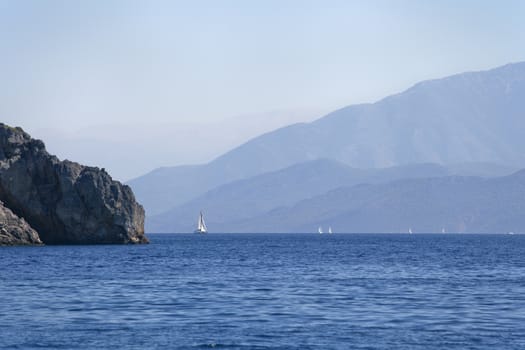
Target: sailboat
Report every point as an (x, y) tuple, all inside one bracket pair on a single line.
[(330, 229), (410, 230), (201, 225), (320, 230)]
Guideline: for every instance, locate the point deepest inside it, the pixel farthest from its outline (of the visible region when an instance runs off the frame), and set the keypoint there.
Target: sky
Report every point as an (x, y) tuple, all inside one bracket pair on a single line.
[(133, 85)]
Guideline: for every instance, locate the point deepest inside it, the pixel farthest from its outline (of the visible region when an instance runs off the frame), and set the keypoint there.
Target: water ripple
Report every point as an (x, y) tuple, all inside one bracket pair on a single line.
[(268, 292)]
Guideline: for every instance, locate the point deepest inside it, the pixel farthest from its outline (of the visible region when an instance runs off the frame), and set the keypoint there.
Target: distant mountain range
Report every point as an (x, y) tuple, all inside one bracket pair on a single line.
[(466, 119), (258, 195), (453, 204)]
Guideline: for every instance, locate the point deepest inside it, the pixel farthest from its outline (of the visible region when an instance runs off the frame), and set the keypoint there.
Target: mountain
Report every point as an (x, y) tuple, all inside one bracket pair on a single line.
[(256, 195), (469, 117), (247, 198), (454, 203), (244, 198)]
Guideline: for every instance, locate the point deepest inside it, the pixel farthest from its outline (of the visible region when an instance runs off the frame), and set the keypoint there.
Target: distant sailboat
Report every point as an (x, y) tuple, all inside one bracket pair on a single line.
[(443, 230), (410, 230), (330, 229), (320, 230), (201, 225)]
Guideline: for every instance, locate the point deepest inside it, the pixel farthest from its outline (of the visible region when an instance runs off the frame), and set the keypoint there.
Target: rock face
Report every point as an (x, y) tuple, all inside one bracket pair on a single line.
[(65, 202), (14, 230)]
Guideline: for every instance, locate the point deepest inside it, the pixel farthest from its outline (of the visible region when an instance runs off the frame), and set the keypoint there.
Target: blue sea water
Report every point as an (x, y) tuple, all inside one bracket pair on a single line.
[(268, 291)]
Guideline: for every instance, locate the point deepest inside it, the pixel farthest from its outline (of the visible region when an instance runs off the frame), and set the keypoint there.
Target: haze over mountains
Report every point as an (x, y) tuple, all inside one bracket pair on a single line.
[(462, 120), (158, 143)]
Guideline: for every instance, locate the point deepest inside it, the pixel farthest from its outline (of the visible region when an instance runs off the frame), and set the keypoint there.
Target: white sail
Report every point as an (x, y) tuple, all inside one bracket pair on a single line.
[(330, 229), (199, 222), (320, 230), (201, 225), (410, 230)]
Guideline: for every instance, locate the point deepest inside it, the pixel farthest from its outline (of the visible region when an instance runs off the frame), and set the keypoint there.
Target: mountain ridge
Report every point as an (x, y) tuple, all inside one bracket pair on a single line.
[(467, 117), (247, 198), (457, 204)]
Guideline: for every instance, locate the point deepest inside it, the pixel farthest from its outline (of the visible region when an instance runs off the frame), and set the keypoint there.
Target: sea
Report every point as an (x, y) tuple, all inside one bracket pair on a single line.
[(268, 291)]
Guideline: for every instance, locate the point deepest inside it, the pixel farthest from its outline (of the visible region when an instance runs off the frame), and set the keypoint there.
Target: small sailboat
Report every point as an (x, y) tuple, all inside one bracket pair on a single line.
[(329, 229), (320, 230), (443, 230), (410, 230), (201, 225)]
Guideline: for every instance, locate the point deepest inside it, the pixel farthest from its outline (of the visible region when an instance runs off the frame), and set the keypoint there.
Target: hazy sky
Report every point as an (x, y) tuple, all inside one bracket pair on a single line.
[(68, 68)]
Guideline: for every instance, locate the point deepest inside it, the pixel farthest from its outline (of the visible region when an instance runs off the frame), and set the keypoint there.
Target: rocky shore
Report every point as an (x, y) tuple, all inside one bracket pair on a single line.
[(49, 201)]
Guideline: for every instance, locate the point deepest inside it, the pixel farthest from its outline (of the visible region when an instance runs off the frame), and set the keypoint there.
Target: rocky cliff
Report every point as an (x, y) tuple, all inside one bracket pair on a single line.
[(14, 230), (65, 202)]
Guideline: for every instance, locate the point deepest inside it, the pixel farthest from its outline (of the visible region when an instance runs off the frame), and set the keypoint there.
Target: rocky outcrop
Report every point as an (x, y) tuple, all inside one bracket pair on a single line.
[(14, 230), (65, 202)]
